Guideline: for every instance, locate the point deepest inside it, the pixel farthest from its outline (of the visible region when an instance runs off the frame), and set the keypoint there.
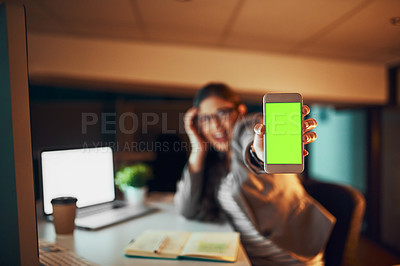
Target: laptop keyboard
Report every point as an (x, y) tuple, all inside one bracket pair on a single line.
[(52, 254), (111, 216), (98, 209)]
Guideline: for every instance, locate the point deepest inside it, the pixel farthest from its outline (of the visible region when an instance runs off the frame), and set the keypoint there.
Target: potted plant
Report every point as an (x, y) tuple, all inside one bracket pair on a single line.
[(132, 181)]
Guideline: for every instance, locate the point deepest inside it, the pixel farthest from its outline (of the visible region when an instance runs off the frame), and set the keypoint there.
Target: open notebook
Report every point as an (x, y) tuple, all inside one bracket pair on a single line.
[(214, 246)]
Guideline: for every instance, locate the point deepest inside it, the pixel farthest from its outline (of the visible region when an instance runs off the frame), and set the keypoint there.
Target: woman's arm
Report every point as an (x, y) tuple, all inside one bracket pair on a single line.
[(243, 137), (189, 188), (188, 193), (277, 205)]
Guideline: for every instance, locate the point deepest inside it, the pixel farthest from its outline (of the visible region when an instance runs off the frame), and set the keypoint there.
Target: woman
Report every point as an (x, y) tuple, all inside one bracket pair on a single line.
[(223, 179)]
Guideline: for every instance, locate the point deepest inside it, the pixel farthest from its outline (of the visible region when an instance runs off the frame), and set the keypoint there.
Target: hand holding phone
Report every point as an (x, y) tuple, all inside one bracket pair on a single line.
[(283, 141), (308, 137)]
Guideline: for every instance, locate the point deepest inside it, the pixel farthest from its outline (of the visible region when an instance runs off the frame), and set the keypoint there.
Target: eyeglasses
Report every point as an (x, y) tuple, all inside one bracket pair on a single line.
[(220, 115)]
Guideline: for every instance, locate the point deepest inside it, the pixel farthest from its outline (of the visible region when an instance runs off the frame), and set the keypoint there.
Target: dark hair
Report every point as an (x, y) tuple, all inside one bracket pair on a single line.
[(219, 90)]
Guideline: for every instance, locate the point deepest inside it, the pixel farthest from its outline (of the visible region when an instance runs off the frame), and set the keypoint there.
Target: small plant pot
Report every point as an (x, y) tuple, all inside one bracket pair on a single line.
[(135, 195)]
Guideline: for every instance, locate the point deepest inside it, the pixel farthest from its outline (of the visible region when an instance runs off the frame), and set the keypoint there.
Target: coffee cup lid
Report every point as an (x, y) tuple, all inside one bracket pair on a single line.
[(64, 200)]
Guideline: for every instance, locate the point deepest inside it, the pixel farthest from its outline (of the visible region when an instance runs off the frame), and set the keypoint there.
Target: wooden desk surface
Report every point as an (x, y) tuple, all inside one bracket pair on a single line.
[(106, 246)]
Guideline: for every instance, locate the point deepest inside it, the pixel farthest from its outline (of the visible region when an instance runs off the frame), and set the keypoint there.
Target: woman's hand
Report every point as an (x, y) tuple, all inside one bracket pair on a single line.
[(198, 145), (308, 137)]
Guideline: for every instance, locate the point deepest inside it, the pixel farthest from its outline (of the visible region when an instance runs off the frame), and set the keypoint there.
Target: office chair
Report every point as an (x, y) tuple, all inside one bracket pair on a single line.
[(347, 205)]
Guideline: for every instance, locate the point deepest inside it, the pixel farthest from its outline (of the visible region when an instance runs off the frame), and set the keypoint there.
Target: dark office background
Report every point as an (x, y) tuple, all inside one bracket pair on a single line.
[(342, 153)]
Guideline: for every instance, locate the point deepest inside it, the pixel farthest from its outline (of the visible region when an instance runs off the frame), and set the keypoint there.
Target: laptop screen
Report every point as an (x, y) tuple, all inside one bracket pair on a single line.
[(86, 174)]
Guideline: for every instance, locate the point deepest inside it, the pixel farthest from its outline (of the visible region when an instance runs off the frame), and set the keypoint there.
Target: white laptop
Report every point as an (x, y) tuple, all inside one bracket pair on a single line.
[(88, 175)]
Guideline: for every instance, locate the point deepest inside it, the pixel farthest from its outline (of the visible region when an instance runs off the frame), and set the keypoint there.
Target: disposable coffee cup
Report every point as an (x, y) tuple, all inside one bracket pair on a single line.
[(64, 210)]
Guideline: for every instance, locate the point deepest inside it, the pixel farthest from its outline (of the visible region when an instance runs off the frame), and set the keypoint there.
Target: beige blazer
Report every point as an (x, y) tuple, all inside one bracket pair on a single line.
[(277, 205)]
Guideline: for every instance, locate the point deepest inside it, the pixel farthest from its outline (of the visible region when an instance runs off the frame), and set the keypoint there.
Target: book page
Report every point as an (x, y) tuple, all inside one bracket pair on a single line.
[(168, 243), (217, 246)]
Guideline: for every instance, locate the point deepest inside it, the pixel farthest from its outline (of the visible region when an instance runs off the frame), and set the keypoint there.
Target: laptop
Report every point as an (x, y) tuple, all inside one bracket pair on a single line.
[(88, 175)]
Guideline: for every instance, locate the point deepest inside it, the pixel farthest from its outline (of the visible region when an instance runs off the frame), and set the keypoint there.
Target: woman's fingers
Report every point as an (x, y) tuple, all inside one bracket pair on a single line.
[(190, 124), (305, 110), (309, 124), (189, 118), (258, 143), (309, 137), (190, 114), (259, 129), (198, 144)]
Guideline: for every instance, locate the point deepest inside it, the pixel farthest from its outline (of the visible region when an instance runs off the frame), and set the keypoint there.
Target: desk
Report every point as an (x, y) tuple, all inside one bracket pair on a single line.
[(106, 246)]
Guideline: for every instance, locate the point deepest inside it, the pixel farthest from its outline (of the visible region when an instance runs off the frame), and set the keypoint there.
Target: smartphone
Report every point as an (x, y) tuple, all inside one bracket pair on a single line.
[(283, 140)]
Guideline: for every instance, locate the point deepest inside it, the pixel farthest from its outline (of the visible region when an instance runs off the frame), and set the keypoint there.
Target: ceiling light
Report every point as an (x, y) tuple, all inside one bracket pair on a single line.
[(395, 21)]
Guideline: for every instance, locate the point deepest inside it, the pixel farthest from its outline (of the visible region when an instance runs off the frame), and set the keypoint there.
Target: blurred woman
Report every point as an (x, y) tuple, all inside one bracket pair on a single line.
[(280, 224)]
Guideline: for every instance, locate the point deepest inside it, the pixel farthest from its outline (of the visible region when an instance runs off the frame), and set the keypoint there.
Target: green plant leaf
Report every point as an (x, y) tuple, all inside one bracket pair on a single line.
[(136, 175)]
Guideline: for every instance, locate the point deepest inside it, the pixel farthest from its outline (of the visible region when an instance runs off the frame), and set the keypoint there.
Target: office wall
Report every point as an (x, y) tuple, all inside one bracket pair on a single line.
[(398, 85), (390, 207), (340, 153), (58, 124), (145, 128), (63, 59), (66, 118)]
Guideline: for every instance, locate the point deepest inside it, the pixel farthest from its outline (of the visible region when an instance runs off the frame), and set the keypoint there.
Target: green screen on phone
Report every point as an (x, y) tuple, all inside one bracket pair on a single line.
[(283, 133)]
